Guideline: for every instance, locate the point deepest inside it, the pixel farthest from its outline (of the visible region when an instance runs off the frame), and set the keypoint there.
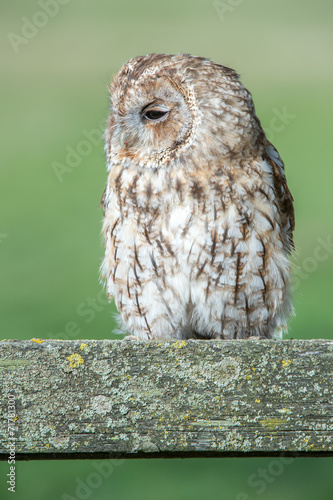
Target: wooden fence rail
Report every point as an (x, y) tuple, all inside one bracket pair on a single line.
[(106, 399)]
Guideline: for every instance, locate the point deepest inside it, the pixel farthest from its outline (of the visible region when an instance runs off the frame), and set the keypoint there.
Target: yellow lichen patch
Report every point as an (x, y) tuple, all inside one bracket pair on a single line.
[(257, 401), (83, 345), (284, 410), (179, 344), (75, 360), (286, 363), (38, 341), (272, 423)]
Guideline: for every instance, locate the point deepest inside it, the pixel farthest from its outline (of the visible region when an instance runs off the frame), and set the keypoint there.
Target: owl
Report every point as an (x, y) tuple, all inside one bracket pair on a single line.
[(198, 218)]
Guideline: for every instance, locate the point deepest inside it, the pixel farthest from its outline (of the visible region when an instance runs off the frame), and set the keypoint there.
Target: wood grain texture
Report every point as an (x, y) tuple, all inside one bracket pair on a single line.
[(92, 399)]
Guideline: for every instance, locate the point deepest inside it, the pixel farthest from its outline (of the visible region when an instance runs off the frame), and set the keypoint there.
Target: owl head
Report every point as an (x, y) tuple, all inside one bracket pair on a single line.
[(170, 106)]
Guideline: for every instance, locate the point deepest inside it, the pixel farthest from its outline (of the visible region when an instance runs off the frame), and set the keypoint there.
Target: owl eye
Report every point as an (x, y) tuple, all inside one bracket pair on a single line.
[(156, 113)]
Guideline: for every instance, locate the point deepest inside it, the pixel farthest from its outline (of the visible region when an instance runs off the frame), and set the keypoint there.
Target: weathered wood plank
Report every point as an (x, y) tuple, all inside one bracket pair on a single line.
[(89, 399)]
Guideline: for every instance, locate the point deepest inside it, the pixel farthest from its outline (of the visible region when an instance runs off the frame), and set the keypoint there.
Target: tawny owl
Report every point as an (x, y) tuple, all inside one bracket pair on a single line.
[(198, 218)]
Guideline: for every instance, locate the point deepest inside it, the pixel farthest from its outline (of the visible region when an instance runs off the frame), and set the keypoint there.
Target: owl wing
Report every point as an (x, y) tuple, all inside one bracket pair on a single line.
[(283, 195)]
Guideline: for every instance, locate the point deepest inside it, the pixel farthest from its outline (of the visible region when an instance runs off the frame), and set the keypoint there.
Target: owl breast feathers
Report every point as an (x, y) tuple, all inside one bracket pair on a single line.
[(198, 217)]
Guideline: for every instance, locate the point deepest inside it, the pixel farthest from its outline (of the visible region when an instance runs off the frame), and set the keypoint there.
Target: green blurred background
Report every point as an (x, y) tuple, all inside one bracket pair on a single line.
[(53, 97)]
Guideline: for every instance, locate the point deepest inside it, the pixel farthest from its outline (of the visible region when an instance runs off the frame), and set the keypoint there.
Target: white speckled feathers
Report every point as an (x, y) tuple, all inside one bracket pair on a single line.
[(198, 218)]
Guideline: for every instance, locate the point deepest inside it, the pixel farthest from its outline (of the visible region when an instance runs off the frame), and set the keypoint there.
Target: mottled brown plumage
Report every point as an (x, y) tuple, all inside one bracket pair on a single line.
[(198, 217)]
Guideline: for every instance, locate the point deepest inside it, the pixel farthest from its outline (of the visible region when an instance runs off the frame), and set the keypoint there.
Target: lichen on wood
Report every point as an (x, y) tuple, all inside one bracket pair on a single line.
[(111, 398)]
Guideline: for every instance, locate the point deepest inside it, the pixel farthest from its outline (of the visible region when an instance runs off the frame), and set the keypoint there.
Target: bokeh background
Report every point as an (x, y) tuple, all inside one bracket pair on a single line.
[(57, 57)]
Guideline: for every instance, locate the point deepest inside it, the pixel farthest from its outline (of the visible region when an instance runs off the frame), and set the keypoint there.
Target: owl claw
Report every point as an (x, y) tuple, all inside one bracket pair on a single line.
[(130, 337)]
